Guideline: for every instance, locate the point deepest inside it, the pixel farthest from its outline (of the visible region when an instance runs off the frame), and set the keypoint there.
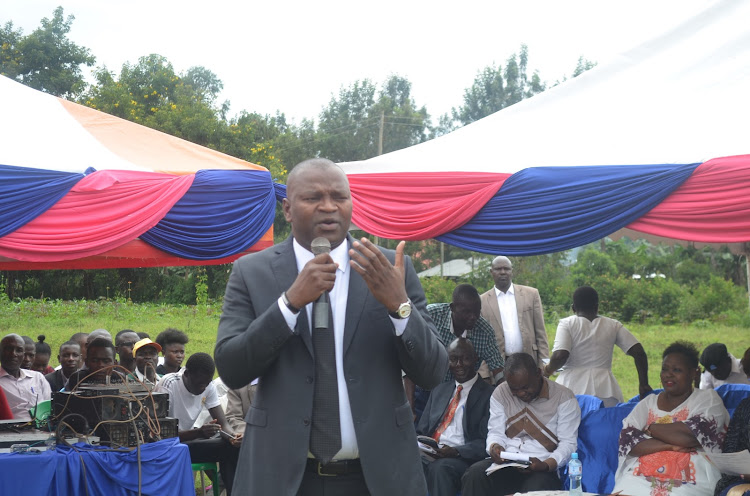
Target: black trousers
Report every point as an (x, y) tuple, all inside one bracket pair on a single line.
[(216, 449), (506, 481), (444, 475)]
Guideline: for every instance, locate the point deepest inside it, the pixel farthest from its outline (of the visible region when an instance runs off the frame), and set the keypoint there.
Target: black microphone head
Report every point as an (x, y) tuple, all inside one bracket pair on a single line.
[(320, 245)]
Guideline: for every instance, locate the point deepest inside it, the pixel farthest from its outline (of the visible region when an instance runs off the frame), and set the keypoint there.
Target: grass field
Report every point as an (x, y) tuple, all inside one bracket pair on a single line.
[(59, 320)]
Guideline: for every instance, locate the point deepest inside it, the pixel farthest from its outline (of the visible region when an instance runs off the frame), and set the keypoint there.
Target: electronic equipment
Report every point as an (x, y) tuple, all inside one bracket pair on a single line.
[(118, 417)]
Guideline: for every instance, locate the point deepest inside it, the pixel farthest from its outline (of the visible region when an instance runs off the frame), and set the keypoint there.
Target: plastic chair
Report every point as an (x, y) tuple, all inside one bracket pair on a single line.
[(202, 467), (41, 412), (732, 395)]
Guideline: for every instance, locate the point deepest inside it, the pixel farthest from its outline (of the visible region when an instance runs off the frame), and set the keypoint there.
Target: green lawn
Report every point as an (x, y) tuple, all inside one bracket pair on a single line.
[(59, 320)]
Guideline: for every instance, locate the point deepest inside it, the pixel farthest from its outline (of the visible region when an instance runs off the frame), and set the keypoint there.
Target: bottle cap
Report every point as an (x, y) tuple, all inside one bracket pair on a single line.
[(574, 456)]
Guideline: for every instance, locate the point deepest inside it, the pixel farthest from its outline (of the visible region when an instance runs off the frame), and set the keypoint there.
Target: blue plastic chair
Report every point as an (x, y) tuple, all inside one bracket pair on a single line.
[(732, 395)]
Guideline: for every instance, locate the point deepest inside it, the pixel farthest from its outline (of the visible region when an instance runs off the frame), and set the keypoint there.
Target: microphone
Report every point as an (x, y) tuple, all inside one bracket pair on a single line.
[(321, 305)]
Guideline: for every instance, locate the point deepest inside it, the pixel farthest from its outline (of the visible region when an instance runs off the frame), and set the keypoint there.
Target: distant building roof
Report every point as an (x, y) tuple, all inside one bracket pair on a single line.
[(453, 268)]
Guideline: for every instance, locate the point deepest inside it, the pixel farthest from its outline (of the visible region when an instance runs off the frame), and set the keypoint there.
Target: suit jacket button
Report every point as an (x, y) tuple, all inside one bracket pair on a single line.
[(309, 379), (306, 421)]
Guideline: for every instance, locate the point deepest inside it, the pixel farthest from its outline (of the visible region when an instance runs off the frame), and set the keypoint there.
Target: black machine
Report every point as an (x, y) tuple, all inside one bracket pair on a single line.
[(119, 417)]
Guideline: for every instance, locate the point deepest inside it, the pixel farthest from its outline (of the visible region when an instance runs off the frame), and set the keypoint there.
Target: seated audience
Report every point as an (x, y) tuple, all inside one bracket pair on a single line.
[(69, 357), (663, 439), (124, 342), (456, 416), (41, 359), (532, 415), (98, 369), (738, 439), (584, 343), (238, 403), (82, 339), (172, 342), (146, 355), (720, 367), (189, 391), (745, 362), (24, 389), (29, 352), (460, 318)]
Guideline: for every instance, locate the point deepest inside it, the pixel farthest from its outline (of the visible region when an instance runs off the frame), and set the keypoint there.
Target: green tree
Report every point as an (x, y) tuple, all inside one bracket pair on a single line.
[(495, 88), (350, 125), (46, 59)]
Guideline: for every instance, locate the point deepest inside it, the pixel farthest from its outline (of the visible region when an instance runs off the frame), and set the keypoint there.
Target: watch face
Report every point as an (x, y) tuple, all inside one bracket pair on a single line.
[(404, 310)]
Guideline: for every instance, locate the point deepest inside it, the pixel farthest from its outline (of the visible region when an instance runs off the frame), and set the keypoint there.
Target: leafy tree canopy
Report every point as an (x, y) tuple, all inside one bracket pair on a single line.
[(46, 59)]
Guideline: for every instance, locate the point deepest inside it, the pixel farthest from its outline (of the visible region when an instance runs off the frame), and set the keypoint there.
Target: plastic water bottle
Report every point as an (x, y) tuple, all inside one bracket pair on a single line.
[(575, 471)]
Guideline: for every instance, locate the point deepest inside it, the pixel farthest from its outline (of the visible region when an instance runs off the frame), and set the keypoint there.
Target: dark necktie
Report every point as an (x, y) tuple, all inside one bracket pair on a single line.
[(325, 435), (449, 414)]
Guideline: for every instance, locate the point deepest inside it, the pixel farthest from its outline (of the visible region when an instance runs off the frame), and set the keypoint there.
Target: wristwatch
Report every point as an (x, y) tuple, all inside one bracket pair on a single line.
[(403, 311)]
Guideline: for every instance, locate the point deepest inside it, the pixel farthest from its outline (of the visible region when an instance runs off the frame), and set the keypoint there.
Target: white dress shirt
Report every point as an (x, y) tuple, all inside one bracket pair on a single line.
[(509, 316), (338, 297), (25, 392), (453, 435)]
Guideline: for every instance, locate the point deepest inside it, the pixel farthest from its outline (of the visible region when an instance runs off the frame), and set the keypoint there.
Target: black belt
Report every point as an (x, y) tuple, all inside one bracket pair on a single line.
[(341, 467)]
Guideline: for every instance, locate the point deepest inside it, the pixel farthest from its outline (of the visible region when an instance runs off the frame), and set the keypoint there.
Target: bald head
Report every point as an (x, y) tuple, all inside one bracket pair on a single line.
[(313, 165), (98, 334)]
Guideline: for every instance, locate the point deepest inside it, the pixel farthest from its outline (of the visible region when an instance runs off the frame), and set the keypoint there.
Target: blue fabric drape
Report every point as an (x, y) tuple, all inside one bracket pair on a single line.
[(280, 190), (165, 470), (223, 213), (549, 209), (25, 193), (598, 445)]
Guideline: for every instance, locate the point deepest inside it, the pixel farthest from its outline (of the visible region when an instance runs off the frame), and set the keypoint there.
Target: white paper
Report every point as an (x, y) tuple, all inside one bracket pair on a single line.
[(426, 448), (730, 463), (497, 466), (519, 457)]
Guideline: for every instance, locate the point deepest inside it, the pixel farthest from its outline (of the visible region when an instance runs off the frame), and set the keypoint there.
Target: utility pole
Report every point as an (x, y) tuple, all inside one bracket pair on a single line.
[(380, 132)]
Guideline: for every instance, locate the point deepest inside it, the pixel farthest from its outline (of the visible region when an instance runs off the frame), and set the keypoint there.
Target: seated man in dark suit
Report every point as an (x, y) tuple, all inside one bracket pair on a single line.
[(456, 416)]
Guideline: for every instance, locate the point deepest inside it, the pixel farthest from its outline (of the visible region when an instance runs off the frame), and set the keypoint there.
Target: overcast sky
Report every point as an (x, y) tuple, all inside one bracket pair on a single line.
[(293, 55)]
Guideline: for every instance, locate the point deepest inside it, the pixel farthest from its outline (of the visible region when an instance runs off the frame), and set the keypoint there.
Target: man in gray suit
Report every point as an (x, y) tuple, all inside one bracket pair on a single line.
[(515, 313), (265, 332)]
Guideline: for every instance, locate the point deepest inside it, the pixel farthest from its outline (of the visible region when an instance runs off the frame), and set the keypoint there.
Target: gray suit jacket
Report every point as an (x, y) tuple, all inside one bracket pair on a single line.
[(475, 418), (254, 341), (530, 320)]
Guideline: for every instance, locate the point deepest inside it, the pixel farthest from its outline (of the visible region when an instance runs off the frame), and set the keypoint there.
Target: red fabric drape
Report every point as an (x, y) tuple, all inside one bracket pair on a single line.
[(103, 211), (414, 206), (5, 413), (711, 206)]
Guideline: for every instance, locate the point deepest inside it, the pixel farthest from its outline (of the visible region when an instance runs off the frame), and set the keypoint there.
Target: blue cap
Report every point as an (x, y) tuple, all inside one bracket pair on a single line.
[(574, 456)]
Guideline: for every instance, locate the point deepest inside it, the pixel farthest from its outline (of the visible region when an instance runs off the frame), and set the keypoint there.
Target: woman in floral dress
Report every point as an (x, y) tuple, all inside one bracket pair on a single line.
[(663, 440)]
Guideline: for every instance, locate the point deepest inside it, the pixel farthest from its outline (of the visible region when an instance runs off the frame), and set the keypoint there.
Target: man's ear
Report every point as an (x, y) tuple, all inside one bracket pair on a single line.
[(285, 206)]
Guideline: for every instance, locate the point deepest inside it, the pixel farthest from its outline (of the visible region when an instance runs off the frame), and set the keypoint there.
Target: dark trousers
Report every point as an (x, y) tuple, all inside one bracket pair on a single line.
[(506, 481), (314, 484), (218, 450), (443, 475)]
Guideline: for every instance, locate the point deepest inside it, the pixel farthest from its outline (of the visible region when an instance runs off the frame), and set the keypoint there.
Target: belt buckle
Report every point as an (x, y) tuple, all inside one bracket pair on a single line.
[(321, 473)]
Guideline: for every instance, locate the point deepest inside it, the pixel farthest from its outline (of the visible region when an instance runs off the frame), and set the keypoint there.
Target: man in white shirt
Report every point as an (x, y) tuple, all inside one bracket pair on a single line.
[(515, 313), (720, 367), (23, 388), (456, 416), (529, 415), (190, 390)]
